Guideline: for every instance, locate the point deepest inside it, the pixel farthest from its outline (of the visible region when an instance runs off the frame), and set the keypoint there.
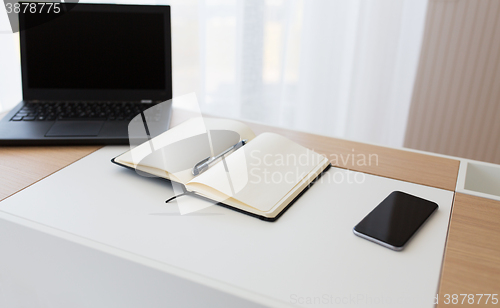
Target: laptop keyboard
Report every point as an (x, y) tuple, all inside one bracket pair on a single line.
[(99, 111)]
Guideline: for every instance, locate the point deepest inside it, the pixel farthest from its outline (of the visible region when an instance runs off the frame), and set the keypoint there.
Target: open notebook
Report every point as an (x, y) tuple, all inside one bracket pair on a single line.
[(262, 178)]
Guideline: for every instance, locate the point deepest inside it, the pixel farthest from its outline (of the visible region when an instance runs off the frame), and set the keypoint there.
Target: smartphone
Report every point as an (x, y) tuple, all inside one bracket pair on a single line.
[(395, 220)]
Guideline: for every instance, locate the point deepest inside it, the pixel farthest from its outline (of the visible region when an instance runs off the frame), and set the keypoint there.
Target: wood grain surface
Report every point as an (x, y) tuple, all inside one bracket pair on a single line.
[(472, 258), (21, 167)]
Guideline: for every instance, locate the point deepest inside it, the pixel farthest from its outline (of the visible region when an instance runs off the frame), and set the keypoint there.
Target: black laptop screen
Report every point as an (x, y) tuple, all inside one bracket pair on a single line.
[(96, 50)]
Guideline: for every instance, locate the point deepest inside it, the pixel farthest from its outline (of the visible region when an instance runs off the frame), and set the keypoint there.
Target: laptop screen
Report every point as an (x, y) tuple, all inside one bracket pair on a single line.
[(97, 49)]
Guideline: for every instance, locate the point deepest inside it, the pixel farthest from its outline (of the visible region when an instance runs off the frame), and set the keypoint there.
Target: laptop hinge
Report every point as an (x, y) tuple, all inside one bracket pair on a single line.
[(146, 101)]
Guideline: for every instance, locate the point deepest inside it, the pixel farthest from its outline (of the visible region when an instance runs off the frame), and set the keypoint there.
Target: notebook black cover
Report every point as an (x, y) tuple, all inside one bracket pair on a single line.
[(270, 219)]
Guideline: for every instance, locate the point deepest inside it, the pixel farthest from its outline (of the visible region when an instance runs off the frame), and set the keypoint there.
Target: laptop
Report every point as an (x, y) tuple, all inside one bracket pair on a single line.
[(87, 71)]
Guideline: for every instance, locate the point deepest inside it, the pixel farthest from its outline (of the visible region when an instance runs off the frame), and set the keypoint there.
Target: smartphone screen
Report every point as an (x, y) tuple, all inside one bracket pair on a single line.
[(395, 220)]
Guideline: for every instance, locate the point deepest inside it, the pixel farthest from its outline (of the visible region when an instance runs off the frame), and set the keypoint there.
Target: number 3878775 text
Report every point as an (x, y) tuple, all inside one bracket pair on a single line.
[(38, 7), (462, 299)]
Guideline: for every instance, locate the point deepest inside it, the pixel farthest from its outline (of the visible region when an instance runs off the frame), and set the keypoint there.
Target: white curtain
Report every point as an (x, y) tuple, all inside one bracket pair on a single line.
[(342, 68), (10, 67)]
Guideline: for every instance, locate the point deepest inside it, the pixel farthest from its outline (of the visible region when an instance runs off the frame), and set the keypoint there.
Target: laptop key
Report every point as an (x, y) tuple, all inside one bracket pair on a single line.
[(16, 118), (29, 118)]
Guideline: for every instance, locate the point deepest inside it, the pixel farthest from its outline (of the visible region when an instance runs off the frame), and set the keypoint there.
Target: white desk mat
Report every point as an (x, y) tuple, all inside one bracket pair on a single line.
[(309, 257)]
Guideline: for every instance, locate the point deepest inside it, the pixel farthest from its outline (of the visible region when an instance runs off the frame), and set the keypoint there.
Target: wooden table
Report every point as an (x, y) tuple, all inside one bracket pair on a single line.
[(472, 256)]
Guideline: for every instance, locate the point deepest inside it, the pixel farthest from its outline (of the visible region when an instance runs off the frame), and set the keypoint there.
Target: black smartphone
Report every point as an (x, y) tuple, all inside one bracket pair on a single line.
[(395, 220)]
